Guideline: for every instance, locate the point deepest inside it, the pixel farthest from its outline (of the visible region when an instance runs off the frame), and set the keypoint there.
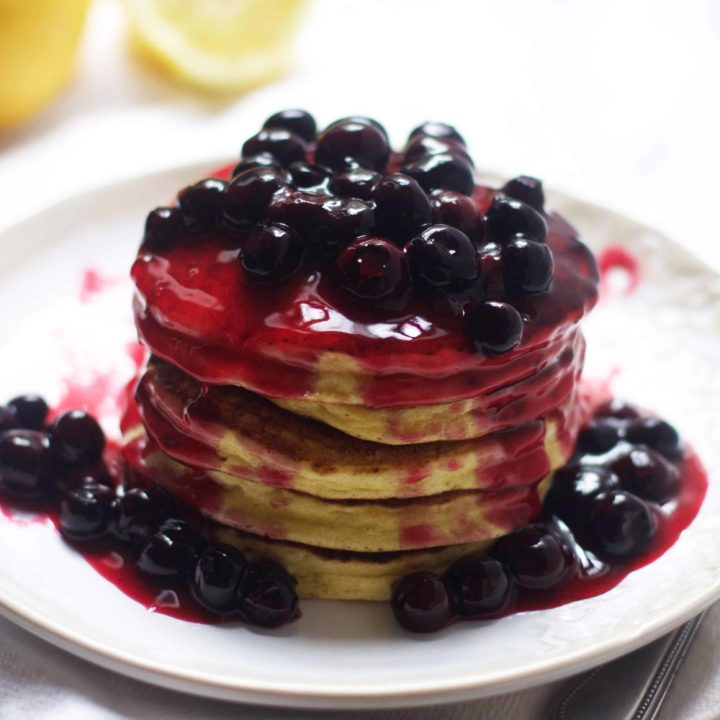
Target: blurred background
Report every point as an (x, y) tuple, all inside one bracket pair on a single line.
[(614, 101)]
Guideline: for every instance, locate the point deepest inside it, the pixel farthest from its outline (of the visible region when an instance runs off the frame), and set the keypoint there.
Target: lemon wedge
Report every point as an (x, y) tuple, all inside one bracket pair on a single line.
[(38, 43), (216, 45)]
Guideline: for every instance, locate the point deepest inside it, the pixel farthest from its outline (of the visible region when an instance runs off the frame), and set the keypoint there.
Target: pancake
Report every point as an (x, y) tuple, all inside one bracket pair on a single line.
[(355, 441), (298, 340), (337, 575), (356, 525), (531, 398), (245, 435)]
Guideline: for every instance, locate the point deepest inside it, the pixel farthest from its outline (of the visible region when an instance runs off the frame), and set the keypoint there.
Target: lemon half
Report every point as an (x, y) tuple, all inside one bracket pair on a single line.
[(217, 45), (38, 43)]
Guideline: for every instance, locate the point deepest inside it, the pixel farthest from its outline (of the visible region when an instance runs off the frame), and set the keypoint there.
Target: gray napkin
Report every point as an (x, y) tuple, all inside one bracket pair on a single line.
[(41, 682)]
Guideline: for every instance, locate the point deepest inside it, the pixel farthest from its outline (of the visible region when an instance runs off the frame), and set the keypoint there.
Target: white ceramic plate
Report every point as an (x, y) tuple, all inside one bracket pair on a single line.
[(662, 343)]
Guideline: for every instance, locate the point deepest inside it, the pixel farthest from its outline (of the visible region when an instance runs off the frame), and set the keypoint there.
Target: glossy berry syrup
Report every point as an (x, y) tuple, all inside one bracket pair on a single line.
[(58, 468), (117, 562), (117, 566), (612, 509), (326, 266), (160, 554), (194, 297)]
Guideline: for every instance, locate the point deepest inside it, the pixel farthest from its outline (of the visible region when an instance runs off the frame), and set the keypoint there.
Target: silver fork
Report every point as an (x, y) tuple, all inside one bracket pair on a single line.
[(630, 688)]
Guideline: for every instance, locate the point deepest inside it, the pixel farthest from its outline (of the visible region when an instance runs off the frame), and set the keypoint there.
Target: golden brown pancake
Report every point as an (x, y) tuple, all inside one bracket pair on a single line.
[(356, 525), (338, 575), (354, 442), (196, 308), (242, 434), (531, 398)]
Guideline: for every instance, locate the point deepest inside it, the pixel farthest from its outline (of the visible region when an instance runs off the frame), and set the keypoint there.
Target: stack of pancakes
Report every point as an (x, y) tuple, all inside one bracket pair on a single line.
[(351, 451)]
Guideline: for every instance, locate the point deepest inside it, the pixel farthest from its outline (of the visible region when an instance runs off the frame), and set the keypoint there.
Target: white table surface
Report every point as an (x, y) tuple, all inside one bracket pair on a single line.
[(615, 101)]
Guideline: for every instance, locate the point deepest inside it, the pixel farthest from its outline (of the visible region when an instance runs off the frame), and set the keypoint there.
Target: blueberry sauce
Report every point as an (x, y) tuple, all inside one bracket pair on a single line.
[(605, 516), (331, 189), (616, 259), (155, 550), (591, 532), (308, 314), (94, 283)]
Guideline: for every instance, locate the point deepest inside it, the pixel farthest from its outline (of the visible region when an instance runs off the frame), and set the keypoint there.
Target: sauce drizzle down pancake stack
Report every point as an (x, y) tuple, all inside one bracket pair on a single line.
[(360, 364)]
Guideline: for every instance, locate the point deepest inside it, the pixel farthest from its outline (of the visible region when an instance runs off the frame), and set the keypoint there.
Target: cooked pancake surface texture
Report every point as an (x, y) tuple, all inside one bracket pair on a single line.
[(244, 435)]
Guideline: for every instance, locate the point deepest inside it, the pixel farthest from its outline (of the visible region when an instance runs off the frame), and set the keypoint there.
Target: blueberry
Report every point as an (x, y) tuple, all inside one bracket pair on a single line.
[(443, 258), (507, 219), (349, 142), (574, 490), (31, 411), (200, 204), (367, 121), (248, 195), (8, 419), (598, 437), (300, 122), (481, 585), (372, 268), (26, 464), (77, 438), (305, 175), (171, 552), (459, 211), (440, 131), (85, 512), (537, 558), (403, 206), (656, 434), (216, 576), (618, 409), (356, 183), (302, 211), (491, 285), (620, 525), (162, 227), (255, 161), (526, 189), (528, 267), (181, 529), (266, 596), (495, 327), (95, 473), (138, 514), (647, 474), (421, 602), (338, 221), (442, 172), (273, 251), (284, 145), (325, 223), (421, 145)]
